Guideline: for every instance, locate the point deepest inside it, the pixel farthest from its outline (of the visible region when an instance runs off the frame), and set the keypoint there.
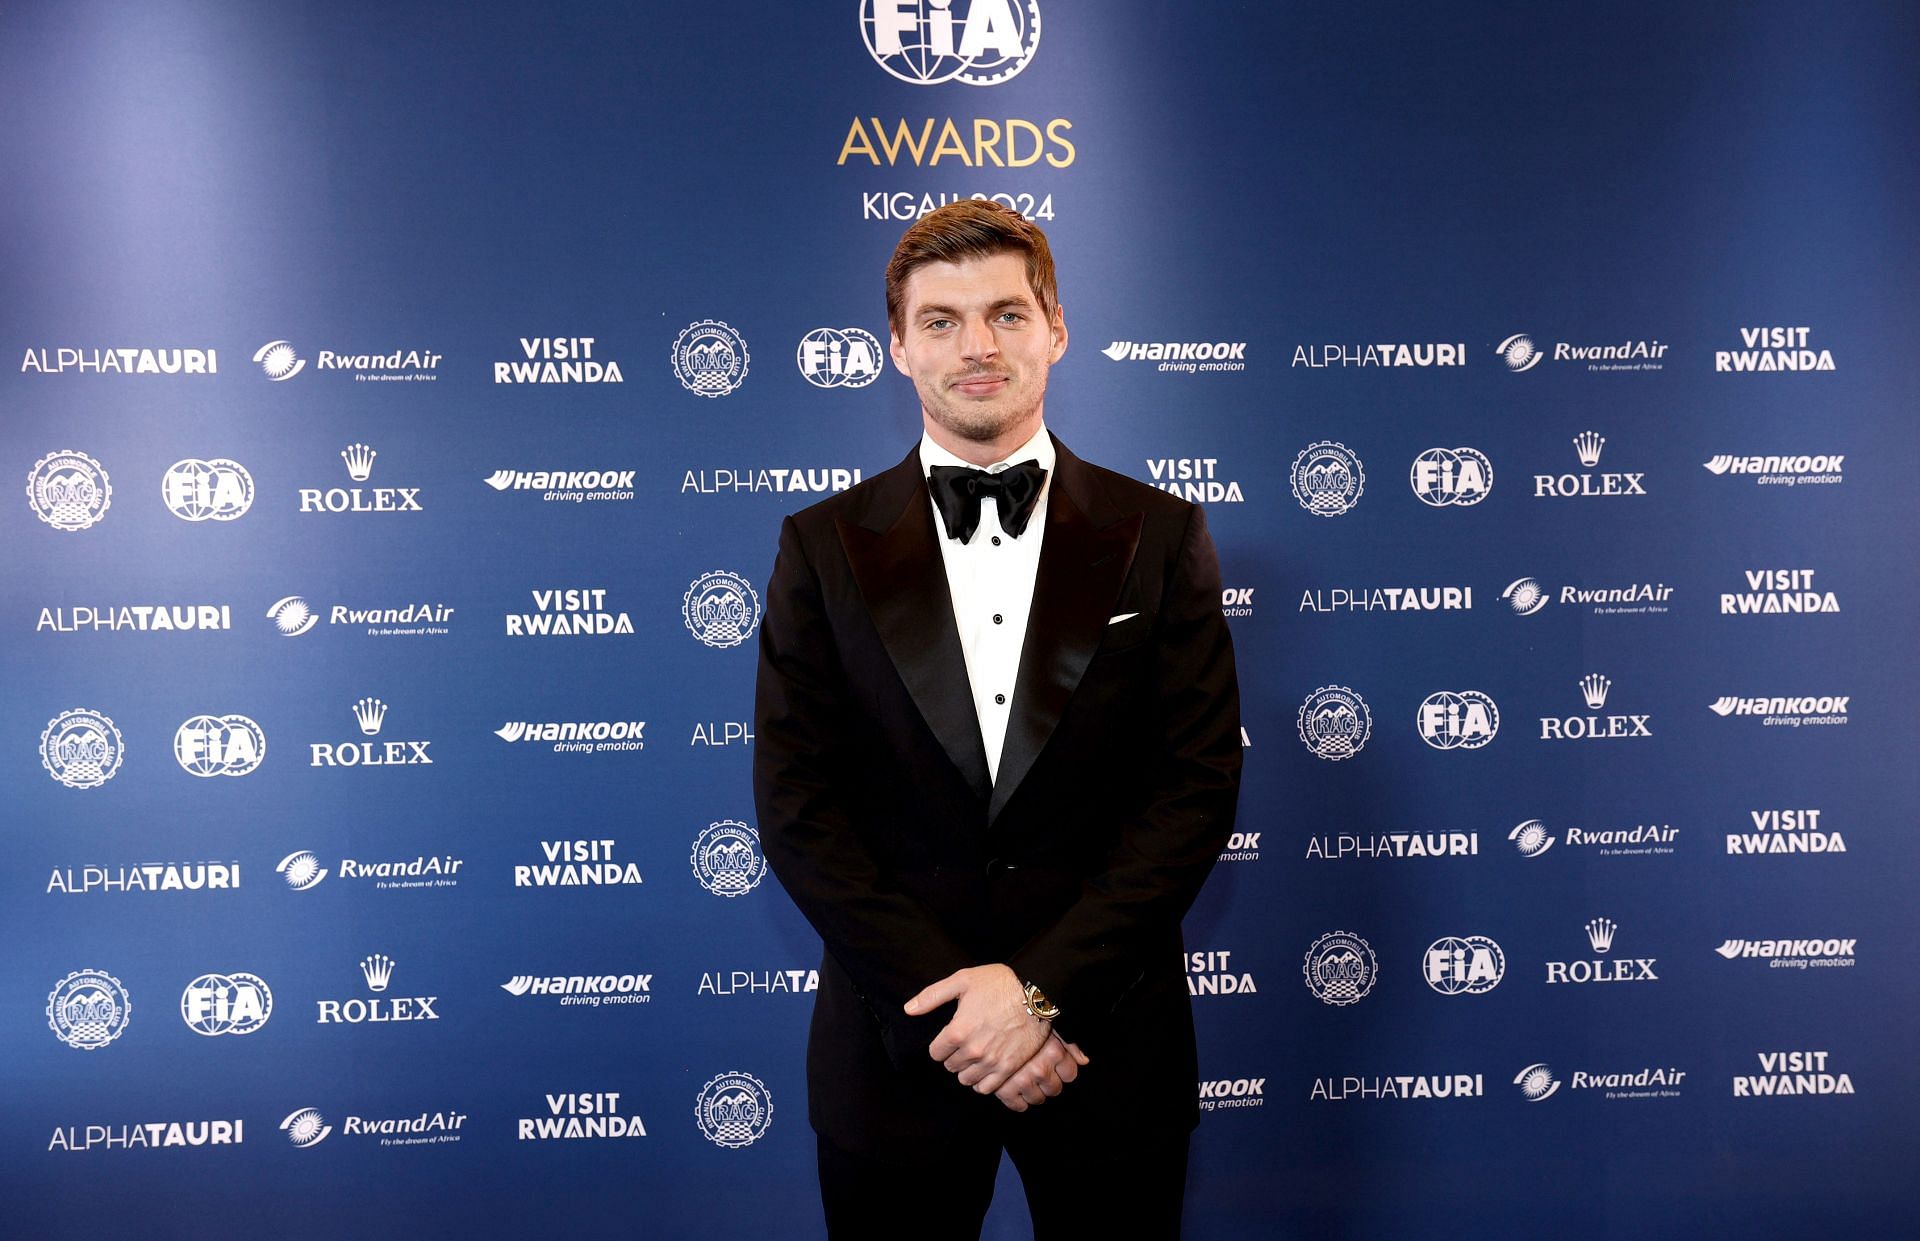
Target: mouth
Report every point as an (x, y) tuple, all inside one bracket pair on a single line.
[(981, 385)]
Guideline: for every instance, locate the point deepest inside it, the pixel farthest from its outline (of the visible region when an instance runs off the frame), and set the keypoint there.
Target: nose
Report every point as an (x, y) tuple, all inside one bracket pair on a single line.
[(977, 341)]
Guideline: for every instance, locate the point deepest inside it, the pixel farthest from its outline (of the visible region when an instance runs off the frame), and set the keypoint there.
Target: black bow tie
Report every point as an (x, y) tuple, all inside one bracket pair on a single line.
[(958, 490)]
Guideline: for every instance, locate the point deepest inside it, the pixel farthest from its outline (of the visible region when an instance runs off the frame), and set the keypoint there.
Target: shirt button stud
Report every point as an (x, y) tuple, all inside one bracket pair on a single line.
[(996, 540), (998, 619), (999, 700)]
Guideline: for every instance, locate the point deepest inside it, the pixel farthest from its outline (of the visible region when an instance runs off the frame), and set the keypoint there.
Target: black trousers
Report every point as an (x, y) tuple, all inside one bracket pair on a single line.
[(1130, 1192)]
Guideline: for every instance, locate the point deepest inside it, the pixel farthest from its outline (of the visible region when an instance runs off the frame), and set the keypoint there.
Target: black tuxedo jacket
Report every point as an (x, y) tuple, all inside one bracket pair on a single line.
[(1115, 795)]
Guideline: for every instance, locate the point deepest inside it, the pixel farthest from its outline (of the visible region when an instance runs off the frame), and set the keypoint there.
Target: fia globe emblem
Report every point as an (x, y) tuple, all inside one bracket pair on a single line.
[(207, 490), (734, 1110), (720, 608), (69, 490), (1444, 477), (215, 1004), (88, 1009), (926, 42), (710, 358), (1328, 479), (1458, 721), (1463, 965), (1335, 723), (846, 357), (219, 745), (81, 749), (1340, 968), (727, 860)]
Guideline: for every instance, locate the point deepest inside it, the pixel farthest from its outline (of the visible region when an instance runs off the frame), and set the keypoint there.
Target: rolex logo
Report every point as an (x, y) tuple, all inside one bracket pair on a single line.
[(359, 459), (1588, 445), (1594, 687), (371, 711), (378, 969), (1600, 933)]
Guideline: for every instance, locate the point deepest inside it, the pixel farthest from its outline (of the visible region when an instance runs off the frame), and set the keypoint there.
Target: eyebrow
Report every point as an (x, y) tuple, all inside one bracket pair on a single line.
[(921, 312)]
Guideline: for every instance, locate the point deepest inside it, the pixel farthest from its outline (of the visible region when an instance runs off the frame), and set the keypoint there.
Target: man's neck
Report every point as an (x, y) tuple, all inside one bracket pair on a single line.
[(983, 453)]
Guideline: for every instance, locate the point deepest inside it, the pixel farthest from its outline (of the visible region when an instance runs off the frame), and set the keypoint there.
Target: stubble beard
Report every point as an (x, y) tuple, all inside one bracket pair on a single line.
[(985, 422)]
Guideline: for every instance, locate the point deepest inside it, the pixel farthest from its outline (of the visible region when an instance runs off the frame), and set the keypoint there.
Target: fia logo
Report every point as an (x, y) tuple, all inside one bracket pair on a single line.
[(1451, 476), (847, 357), (926, 42), (207, 490), (1464, 965), (219, 745), (215, 1004), (1463, 721)]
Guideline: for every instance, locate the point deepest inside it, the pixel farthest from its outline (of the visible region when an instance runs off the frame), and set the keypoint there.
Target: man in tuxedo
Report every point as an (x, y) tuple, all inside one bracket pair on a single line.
[(997, 751)]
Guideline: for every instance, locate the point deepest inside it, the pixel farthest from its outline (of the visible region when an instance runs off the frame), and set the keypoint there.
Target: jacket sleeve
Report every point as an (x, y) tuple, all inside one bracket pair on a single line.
[(887, 941), (1089, 957)]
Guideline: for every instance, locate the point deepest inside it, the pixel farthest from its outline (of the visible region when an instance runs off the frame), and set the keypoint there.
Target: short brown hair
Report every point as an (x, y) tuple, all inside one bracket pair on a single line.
[(970, 228)]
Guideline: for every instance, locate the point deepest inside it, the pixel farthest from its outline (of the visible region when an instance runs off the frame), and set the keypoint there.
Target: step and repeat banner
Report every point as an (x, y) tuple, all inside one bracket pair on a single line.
[(400, 403)]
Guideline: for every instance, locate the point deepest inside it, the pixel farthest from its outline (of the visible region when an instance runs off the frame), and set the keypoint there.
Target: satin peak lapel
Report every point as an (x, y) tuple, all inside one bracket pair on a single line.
[(1082, 568), (904, 581)]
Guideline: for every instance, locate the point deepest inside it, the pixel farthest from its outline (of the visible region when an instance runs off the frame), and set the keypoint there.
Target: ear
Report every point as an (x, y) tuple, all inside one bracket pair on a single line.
[(898, 352), (1059, 328)]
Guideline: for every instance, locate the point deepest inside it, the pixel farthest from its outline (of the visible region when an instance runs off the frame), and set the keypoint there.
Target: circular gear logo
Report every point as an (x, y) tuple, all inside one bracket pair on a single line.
[(81, 749), (1464, 965), (839, 357), (721, 609), (210, 490), (926, 42), (727, 860), (710, 358), (1328, 479), (1340, 968), (88, 1009), (69, 490), (1457, 721), (219, 745), (1335, 722), (215, 1004), (1444, 477), (734, 1110)]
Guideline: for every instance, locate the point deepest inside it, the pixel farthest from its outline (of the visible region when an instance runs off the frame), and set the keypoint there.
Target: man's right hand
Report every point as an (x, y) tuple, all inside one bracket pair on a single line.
[(1043, 1076)]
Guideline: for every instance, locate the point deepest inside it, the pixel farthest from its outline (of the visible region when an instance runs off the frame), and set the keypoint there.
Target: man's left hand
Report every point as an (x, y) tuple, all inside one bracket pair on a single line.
[(991, 1034)]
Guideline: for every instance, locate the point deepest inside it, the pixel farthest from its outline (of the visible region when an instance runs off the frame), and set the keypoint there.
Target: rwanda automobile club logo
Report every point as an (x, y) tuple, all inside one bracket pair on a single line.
[(1335, 722)]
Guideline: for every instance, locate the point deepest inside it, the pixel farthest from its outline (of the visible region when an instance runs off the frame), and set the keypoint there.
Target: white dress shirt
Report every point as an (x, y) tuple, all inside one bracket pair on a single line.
[(991, 579)]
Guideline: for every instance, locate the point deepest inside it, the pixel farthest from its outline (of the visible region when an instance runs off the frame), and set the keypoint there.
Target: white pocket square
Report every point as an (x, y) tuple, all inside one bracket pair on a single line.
[(1115, 620)]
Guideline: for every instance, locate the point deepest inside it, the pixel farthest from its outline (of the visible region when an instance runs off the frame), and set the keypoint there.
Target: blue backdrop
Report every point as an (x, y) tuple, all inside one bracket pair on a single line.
[(1539, 368)]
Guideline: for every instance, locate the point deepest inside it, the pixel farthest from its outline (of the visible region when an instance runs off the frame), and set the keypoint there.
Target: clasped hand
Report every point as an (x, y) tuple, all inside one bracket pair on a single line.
[(993, 1044)]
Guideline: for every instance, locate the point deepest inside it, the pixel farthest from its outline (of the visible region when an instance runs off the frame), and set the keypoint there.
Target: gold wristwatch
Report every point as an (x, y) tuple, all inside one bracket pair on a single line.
[(1038, 1006)]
